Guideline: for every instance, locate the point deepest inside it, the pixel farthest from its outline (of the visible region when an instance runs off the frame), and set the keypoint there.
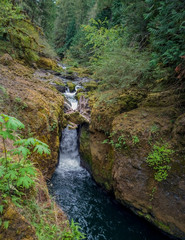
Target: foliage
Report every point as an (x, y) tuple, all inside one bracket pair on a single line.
[(20, 37), (118, 143), (159, 159), (101, 38), (17, 173), (11, 30), (130, 42), (71, 14), (135, 139), (46, 225), (166, 26), (75, 233), (42, 13)]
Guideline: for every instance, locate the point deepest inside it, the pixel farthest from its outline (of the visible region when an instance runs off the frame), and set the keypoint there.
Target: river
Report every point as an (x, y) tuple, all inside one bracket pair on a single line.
[(98, 214)]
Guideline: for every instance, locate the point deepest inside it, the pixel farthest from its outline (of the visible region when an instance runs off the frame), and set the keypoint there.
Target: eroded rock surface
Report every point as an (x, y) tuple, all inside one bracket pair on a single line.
[(124, 127), (38, 105)]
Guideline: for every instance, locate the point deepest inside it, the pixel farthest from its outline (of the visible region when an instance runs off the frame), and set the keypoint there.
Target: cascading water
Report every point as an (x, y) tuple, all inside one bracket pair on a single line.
[(99, 216)]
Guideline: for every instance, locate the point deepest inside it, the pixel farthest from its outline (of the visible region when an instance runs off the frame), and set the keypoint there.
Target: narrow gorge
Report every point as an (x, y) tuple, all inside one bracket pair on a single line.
[(92, 120)]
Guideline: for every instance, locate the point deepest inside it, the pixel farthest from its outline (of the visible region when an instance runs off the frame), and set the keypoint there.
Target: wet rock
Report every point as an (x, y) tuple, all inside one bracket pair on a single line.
[(179, 130), (60, 88)]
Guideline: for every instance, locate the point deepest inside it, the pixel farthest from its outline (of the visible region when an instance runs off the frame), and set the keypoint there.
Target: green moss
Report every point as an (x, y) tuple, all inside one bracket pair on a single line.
[(59, 83), (79, 94), (148, 217), (75, 117), (85, 146), (162, 226), (71, 86), (90, 86)]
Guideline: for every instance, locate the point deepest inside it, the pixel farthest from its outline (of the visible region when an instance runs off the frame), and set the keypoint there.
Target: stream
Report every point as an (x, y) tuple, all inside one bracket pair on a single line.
[(99, 215)]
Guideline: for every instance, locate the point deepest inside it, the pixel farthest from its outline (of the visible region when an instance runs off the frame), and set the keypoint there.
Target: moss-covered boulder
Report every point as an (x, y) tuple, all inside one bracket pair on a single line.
[(47, 63), (60, 85), (90, 86), (108, 104), (71, 86), (75, 117)]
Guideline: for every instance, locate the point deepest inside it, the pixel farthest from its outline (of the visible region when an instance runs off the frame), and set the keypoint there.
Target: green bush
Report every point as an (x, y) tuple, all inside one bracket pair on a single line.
[(159, 159), (17, 173)]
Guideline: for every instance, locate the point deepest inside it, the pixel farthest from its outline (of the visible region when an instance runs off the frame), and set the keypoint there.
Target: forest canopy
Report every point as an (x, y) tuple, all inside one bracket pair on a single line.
[(100, 34)]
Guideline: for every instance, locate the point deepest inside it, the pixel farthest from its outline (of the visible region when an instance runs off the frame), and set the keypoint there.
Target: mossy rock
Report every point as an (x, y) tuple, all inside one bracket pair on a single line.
[(79, 94), (71, 86), (47, 63), (82, 72), (75, 117), (85, 150), (90, 86), (60, 83)]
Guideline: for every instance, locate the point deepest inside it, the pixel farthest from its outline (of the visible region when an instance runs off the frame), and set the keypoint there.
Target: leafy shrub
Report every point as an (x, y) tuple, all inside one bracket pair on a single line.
[(117, 143), (159, 159), (17, 173), (43, 218)]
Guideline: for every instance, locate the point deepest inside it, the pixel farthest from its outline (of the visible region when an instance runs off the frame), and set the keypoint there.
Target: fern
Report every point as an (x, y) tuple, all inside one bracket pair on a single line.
[(15, 176)]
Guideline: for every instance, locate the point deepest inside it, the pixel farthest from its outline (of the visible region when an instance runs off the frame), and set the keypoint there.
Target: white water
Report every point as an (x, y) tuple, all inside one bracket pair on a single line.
[(71, 97), (69, 155), (75, 191)]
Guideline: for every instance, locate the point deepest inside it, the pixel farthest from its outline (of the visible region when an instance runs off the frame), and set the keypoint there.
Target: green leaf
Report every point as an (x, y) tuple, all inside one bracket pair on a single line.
[(28, 170), (1, 209), (42, 149), (6, 225), (21, 150), (1, 119), (2, 171), (25, 182), (12, 174), (12, 123)]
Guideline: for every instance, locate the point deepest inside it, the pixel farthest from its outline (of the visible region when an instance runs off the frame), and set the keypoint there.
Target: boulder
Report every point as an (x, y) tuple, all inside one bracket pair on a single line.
[(47, 63)]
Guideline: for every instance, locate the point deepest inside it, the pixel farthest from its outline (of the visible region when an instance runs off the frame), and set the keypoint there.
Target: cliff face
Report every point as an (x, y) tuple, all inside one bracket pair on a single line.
[(125, 126), (37, 105), (40, 107)]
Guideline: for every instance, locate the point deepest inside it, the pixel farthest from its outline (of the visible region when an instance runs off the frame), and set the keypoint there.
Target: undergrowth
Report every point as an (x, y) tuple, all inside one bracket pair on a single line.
[(47, 225), (159, 159), (18, 178)]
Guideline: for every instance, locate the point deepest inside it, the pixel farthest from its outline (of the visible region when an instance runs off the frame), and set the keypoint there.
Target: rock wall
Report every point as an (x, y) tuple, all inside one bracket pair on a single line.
[(125, 125), (38, 105)]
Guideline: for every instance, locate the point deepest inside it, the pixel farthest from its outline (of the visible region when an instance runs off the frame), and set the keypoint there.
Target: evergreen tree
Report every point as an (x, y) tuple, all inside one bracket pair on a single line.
[(167, 30)]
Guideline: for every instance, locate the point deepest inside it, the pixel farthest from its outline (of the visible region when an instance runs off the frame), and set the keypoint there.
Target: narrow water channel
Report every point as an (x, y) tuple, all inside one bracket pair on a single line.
[(99, 216)]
